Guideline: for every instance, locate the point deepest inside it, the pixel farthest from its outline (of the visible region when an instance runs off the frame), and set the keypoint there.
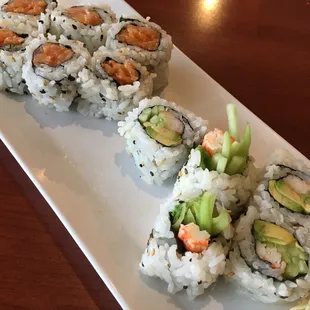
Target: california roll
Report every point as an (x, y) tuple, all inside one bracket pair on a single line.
[(159, 136)]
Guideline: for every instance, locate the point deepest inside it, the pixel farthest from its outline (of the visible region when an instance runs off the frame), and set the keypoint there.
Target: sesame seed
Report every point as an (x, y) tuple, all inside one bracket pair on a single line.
[(42, 91), (74, 27), (41, 21), (151, 173)]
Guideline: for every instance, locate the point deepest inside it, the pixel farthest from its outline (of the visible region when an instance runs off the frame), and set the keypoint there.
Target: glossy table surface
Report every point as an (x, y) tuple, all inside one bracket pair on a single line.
[(258, 50)]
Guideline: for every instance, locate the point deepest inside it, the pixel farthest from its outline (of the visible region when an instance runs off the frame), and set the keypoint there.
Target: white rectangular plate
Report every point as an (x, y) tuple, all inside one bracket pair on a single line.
[(81, 168)]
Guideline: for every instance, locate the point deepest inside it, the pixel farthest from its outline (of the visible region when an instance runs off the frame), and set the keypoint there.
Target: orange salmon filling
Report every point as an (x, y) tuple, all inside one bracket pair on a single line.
[(51, 54), (123, 74), (30, 7), (8, 37), (84, 15), (144, 37)]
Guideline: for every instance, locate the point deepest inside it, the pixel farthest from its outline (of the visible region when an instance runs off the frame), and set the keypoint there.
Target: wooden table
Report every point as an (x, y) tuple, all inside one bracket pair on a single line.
[(259, 50)]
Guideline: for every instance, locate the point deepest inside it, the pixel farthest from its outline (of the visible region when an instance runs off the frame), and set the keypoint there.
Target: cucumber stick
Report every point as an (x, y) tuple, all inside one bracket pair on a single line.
[(245, 142), (204, 218), (232, 120), (235, 148), (189, 217), (205, 160), (220, 222), (214, 161), (236, 165), (145, 115), (221, 164), (178, 221), (226, 149)]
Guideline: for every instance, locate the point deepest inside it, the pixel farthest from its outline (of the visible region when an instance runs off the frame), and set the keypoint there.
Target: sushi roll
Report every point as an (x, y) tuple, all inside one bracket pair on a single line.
[(188, 244), (12, 50), (159, 136), (222, 166), (88, 24), (145, 42), (268, 259), (51, 69), (284, 194), (112, 85), (26, 16)]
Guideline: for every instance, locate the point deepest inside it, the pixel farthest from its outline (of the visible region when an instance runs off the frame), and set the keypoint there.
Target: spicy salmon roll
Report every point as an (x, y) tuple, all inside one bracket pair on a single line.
[(26, 16), (145, 42), (12, 50), (269, 259), (88, 24), (159, 136), (283, 195), (188, 244), (51, 69), (222, 166), (112, 85)]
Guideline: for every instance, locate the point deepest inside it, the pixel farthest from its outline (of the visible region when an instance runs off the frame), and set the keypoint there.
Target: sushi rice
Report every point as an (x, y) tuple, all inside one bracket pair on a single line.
[(54, 87), (26, 23), (102, 96), (93, 36), (155, 161)]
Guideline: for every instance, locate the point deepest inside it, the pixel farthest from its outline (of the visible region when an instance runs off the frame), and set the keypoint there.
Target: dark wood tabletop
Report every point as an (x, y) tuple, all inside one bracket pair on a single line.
[(258, 50)]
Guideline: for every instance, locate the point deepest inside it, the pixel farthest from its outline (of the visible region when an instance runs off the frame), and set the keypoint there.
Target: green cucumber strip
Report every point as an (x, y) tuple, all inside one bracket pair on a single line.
[(221, 164), (226, 149), (232, 116), (214, 160), (161, 108), (235, 148), (220, 222), (177, 221), (154, 120), (245, 142), (155, 110), (189, 217), (205, 160), (194, 205), (236, 165), (145, 115), (204, 218)]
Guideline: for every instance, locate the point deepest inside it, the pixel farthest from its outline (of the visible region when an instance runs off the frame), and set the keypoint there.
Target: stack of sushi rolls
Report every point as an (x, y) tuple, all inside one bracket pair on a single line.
[(112, 85), (12, 50), (159, 136), (145, 42), (24, 16), (221, 165), (87, 24), (188, 244), (51, 69), (271, 251)]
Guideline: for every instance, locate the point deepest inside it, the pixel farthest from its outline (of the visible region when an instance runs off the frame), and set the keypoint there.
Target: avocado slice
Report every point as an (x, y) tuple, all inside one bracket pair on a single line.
[(162, 135), (282, 199), (268, 232), (288, 192)]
